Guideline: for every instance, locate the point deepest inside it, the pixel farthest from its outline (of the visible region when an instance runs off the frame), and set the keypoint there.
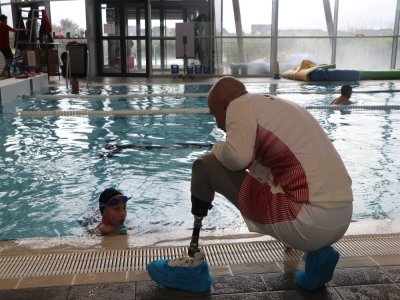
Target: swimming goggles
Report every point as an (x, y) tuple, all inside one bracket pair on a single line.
[(115, 201)]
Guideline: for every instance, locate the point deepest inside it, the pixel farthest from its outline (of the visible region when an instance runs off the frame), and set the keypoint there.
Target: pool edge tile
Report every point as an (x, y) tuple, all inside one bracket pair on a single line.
[(46, 281), (94, 278), (8, 283)]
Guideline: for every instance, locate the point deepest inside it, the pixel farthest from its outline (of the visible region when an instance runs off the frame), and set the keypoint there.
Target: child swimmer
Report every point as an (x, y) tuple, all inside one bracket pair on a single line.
[(112, 204)]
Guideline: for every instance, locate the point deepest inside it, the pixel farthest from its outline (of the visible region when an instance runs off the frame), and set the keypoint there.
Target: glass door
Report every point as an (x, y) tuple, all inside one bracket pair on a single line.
[(135, 38), (122, 40), (163, 37), (164, 17)]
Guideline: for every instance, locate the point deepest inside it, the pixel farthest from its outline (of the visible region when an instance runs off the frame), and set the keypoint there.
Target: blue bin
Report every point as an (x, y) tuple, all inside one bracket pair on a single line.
[(206, 69), (198, 69), (189, 70), (174, 69)]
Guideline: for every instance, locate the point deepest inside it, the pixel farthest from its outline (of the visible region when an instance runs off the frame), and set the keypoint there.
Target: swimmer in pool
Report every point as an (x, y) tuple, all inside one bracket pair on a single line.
[(345, 96), (112, 204)]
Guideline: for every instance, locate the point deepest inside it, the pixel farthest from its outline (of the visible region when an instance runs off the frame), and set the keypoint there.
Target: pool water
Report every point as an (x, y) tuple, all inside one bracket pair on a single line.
[(53, 168)]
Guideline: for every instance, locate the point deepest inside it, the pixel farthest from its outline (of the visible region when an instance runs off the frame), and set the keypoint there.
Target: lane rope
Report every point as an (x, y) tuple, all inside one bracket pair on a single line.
[(135, 112), (189, 95), (121, 96), (354, 107)]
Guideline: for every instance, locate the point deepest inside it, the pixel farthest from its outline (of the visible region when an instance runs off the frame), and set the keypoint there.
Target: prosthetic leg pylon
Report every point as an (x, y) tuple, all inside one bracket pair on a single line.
[(199, 210), (194, 243)]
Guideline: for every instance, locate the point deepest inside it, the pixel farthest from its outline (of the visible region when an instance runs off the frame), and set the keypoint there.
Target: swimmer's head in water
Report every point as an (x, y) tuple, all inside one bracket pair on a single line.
[(346, 90), (112, 205), (111, 197)]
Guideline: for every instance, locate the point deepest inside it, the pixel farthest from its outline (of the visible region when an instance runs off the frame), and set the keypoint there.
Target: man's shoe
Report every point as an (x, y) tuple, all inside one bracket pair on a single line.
[(320, 265)]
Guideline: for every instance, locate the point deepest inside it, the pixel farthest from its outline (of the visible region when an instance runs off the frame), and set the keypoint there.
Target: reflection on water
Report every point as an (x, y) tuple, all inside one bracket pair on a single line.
[(368, 143), (53, 168)]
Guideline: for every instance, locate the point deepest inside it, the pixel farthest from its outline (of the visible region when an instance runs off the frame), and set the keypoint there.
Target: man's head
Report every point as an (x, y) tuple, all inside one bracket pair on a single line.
[(112, 204), (346, 90), (3, 18), (222, 93)]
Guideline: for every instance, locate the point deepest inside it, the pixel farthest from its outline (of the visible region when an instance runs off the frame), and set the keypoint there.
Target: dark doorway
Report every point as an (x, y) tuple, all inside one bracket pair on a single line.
[(121, 38)]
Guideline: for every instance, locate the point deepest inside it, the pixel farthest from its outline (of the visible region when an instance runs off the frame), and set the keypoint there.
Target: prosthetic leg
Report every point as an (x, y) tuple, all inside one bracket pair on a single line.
[(186, 273), (199, 210), (194, 243)]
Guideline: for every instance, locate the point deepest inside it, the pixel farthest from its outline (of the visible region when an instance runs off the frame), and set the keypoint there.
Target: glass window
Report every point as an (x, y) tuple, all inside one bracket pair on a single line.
[(363, 53), (131, 23), (397, 66), (135, 21), (242, 52), (155, 23), (156, 54), (109, 20), (140, 63), (6, 10), (111, 56), (254, 48), (171, 18), (170, 55), (68, 16), (256, 61), (131, 49), (292, 51), (218, 16), (255, 17), (303, 18), (366, 17)]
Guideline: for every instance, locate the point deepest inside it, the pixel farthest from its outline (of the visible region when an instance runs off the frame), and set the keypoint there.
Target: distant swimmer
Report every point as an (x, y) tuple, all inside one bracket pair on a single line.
[(345, 96)]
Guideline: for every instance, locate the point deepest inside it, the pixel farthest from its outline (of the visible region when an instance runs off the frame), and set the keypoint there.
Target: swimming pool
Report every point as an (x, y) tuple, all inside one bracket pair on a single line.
[(54, 167)]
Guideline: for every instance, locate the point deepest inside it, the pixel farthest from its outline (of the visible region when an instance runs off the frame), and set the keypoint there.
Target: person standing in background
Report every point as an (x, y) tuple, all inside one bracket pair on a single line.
[(5, 44)]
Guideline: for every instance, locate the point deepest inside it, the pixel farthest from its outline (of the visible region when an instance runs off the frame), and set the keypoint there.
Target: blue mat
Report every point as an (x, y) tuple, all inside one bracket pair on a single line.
[(193, 279), (334, 75), (320, 265)]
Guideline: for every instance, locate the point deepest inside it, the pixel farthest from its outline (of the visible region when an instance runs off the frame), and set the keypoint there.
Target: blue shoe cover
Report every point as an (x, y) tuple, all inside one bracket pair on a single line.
[(320, 265), (193, 279)]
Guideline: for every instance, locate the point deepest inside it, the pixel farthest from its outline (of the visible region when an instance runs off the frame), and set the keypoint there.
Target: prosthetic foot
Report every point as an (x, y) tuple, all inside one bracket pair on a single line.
[(187, 273), (320, 265)]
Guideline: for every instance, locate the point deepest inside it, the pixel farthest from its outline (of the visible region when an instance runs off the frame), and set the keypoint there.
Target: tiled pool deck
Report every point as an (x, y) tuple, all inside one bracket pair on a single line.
[(376, 277), (357, 277), (349, 283)]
